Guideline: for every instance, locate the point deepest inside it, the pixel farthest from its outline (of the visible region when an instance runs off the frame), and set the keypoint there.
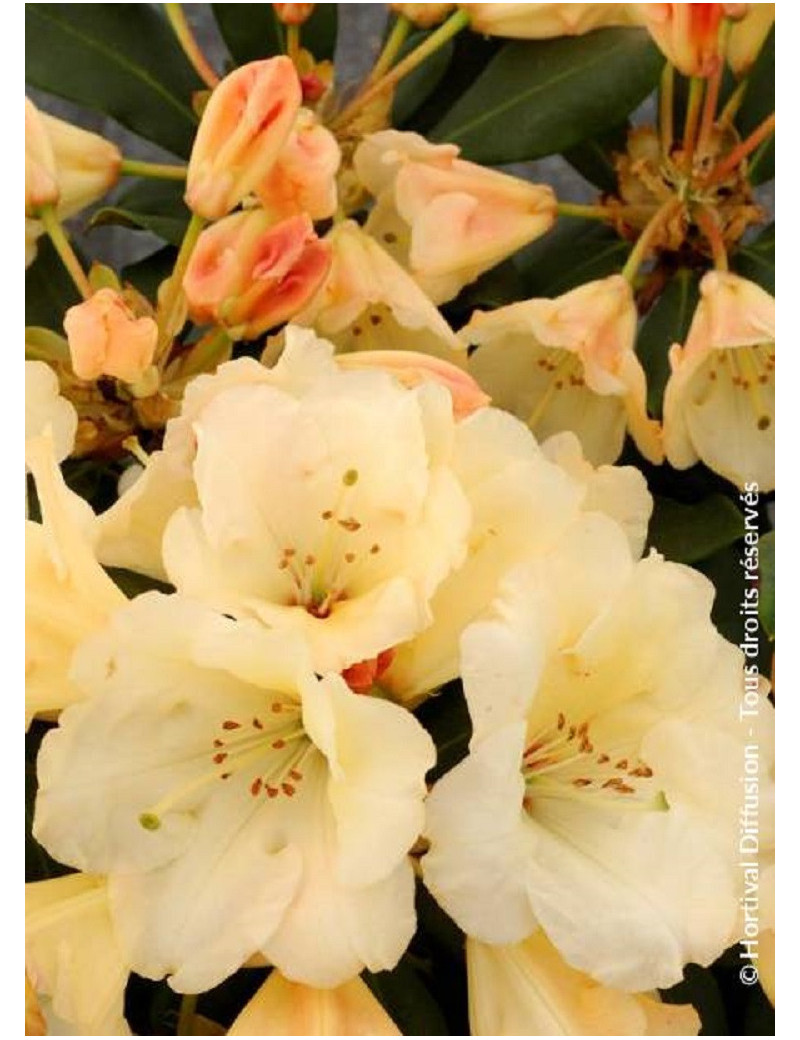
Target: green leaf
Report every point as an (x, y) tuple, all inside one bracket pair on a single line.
[(540, 97), (574, 252), (759, 102), (496, 288), (593, 158), (49, 290), (155, 206), (756, 261), (688, 533), (252, 31), (407, 1000), (667, 323), (766, 589), (417, 87), (700, 988), (146, 275), (120, 59), (446, 718)]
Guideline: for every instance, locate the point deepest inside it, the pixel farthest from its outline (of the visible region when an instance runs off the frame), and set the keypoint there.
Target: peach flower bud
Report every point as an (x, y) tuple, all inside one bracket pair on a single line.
[(423, 15), (293, 14), (303, 179), (249, 275), (41, 179), (244, 126), (543, 21), (87, 165), (107, 339), (412, 369), (687, 34), (747, 37)]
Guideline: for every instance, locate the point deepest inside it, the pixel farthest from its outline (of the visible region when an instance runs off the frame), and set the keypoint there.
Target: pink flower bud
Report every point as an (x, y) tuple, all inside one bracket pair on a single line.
[(107, 339), (41, 181), (412, 369), (293, 14), (249, 275), (687, 34), (244, 126)]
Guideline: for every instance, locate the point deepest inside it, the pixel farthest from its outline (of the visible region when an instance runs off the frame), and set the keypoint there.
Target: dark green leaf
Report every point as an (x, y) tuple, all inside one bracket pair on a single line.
[(759, 102), (540, 97), (688, 533), (700, 989), (133, 584), (146, 275), (766, 570), (667, 323), (756, 261), (574, 252), (446, 718), (417, 87), (593, 158), (496, 288), (407, 1000), (155, 206), (252, 31), (121, 59), (48, 289)]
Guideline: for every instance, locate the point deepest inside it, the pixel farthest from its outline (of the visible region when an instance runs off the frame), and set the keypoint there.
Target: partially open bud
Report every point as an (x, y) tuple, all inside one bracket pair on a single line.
[(423, 15), (249, 275), (303, 179), (688, 34), (543, 21), (41, 179), (244, 126), (107, 339), (86, 164), (747, 37), (293, 14), (412, 369)]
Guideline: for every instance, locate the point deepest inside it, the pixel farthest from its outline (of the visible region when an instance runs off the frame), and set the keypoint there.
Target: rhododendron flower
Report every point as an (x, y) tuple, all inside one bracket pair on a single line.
[(41, 179), (542, 21), (719, 403), (368, 302), (237, 803), (68, 595), (248, 275), (244, 126), (303, 179), (527, 989), (107, 339), (603, 767), (46, 409), (569, 364), (73, 958), (284, 1008), (445, 219)]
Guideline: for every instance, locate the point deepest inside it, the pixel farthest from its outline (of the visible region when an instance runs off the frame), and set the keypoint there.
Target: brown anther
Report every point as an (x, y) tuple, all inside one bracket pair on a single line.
[(276, 707), (622, 764), (328, 514), (272, 792), (258, 724), (375, 319), (582, 781), (287, 789), (295, 774), (350, 524), (645, 771), (537, 745), (255, 787), (624, 789), (225, 776), (231, 724), (602, 759), (561, 720), (220, 757), (559, 384), (219, 743), (289, 553), (374, 549), (390, 237), (309, 561), (349, 557), (572, 732), (279, 743)]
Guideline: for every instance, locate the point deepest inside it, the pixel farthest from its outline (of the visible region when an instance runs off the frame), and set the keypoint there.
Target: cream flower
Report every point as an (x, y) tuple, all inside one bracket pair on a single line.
[(327, 502), (528, 990), (543, 21), (370, 303), (46, 409), (68, 596), (284, 1008), (600, 799), (73, 958), (569, 364), (238, 804), (446, 220), (719, 404)]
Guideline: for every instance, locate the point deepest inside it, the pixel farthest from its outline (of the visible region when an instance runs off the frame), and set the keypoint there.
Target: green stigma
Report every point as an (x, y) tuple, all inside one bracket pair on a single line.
[(350, 477), (149, 821)]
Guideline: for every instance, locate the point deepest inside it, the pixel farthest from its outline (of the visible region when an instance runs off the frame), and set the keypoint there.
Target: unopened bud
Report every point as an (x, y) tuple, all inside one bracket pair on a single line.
[(107, 339), (293, 14)]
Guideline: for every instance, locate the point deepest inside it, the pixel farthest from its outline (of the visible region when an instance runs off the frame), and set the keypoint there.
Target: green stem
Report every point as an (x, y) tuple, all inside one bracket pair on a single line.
[(734, 103), (574, 209), (162, 171), (293, 42), (171, 301), (189, 44), (186, 1015), (645, 241), (454, 24), (666, 109), (63, 247), (394, 42)]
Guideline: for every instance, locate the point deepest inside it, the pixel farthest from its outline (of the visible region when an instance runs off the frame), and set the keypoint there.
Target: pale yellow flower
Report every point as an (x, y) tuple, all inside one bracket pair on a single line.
[(47, 410)]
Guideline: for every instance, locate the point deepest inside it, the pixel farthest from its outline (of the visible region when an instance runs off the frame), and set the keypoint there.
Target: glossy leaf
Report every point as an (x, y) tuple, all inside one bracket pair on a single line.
[(688, 533), (574, 252), (407, 1000), (446, 717), (120, 59), (252, 31), (48, 289), (756, 261), (766, 571), (759, 102), (667, 323), (155, 206), (594, 157), (540, 97), (417, 87)]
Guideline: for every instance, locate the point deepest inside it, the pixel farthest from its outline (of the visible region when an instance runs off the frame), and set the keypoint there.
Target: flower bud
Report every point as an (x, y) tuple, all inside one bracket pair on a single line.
[(747, 37), (293, 14), (412, 369), (423, 15), (249, 275), (86, 164), (41, 179), (687, 34), (244, 126), (303, 179), (543, 21), (107, 339)]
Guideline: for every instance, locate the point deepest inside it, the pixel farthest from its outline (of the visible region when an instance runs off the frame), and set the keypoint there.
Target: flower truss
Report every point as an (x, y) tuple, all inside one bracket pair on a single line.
[(399, 552)]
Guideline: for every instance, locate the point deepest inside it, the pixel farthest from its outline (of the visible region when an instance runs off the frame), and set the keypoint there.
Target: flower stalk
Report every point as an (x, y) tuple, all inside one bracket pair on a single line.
[(159, 171), (394, 42), (63, 247), (189, 45), (645, 241)]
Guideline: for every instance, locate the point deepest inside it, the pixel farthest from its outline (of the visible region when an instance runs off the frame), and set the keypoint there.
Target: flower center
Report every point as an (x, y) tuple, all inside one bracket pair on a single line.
[(561, 370), (561, 761), (271, 749), (746, 370)]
